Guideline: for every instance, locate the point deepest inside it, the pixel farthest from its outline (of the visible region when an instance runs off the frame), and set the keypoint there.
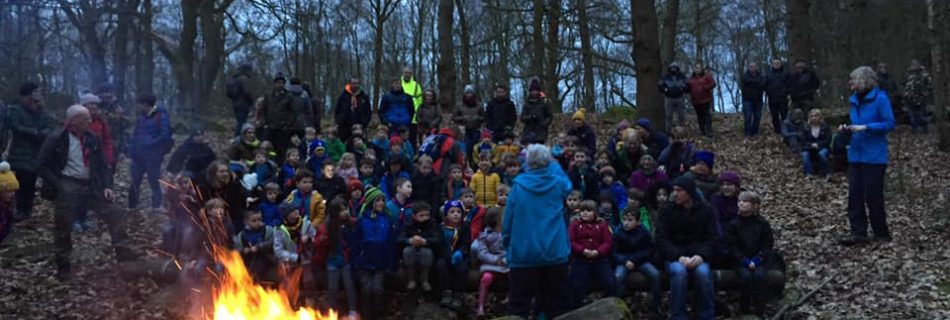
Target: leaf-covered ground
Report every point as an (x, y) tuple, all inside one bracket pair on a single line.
[(908, 278)]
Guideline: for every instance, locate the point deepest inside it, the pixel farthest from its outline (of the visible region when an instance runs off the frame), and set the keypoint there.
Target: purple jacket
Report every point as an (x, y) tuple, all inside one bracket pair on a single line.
[(642, 181)]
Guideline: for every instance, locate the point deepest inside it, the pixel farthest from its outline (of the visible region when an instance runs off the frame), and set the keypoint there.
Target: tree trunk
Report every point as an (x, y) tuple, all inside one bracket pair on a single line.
[(377, 61), (145, 57), (120, 66), (771, 35), (698, 30), (670, 28), (937, 27), (799, 30), (553, 53), (417, 38), (446, 65), (86, 20), (646, 54), (587, 57), (466, 57), (212, 36), (537, 39)]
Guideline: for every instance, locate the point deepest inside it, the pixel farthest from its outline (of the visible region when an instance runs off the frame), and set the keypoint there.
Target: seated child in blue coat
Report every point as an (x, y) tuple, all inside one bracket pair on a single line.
[(633, 251)]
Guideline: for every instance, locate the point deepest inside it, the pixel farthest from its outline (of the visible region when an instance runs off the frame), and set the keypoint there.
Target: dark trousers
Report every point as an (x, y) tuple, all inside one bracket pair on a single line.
[(585, 272), (778, 108), (452, 277), (752, 111), (281, 140), (240, 115), (24, 196), (753, 285), (373, 295), (472, 136), (141, 167), (548, 285), (72, 195), (918, 118), (866, 199), (704, 117)]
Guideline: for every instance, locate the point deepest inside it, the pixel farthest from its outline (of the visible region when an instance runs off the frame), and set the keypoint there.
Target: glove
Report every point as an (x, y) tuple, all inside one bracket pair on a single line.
[(456, 258)]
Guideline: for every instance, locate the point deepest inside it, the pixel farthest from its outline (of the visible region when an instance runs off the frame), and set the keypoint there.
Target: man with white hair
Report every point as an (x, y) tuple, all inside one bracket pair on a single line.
[(75, 173), (535, 234)]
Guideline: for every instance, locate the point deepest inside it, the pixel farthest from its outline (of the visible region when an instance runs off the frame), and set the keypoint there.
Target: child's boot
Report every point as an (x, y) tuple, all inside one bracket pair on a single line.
[(412, 279), (482, 294)]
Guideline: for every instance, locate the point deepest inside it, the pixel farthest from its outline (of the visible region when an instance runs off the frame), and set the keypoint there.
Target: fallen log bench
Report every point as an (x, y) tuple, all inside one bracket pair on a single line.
[(165, 270)]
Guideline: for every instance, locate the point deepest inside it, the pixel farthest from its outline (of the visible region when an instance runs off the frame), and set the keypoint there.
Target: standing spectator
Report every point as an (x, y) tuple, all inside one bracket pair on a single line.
[(535, 234), (428, 117), (241, 95), (72, 163), (674, 86), (753, 83), (871, 120), (29, 125), (701, 85), (684, 242), (501, 114), (802, 85), (776, 88), (279, 116), (99, 127), (918, 90), (885, 82), (150, 142), (414, 90), (470, 115), (536, 115), (115, 115), (314, 109), (301, 107), (352, 107), (396, 108)]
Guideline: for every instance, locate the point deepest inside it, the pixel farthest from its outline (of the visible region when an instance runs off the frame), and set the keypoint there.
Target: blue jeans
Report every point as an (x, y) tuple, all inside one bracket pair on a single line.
[(140, 167), (809, 167), (649, 271), (334, 276), (752, 111), (583, 271), (679, 282)]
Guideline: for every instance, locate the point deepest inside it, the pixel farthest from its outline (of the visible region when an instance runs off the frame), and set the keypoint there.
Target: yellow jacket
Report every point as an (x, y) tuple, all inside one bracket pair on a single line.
[(502, 149), (317, 208), (485, 188)]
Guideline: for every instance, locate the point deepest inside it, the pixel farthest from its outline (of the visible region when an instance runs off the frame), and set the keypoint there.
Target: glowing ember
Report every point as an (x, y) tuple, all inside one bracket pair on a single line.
[(237, 297)]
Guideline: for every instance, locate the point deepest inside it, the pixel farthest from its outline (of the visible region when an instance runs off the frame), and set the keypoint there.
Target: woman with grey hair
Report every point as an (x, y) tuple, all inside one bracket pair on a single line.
[(871, 120), (536, 237)]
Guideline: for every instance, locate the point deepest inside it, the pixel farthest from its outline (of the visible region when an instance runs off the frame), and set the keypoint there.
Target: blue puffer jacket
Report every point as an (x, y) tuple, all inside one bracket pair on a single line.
[(534, 230), (152, 133), (396, 109), (375, 234), (874, 111)]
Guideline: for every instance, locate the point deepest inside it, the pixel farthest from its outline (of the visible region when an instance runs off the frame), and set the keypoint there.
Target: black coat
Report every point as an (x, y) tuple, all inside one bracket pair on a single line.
[(823, 140), (52, 158), (192, 156), (537, 117), (802, 85), (674, 85), (330, 187), (776, 84), (750, 237), (429, 188), (428, 230), (634, 245), (346, 114), (233, 195), (686, 232), (753, 84), (585, 137), (500, 116), (587, 181), (280, 110)]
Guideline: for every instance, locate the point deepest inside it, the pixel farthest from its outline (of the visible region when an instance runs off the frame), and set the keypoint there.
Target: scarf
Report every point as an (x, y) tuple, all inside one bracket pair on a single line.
[(294, 231)]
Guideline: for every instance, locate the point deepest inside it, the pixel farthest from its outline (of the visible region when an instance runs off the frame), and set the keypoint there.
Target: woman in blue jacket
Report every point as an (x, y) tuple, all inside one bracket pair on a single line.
[(534, 232), (871, 120)]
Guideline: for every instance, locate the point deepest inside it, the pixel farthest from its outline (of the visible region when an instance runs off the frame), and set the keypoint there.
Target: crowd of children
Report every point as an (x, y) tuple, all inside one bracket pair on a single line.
[(357, 211)]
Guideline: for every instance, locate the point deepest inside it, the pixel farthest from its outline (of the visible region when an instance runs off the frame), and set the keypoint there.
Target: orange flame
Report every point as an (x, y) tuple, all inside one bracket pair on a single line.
[(237, 297)]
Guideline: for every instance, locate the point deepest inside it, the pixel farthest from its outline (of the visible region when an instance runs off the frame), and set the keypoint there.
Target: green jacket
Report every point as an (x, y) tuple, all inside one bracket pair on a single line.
[(29, 130)]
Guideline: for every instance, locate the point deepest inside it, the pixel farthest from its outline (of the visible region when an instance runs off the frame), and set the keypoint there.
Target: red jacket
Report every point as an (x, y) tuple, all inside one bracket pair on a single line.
[(322, 244), (700, 88), (592, 235), (100, 128)]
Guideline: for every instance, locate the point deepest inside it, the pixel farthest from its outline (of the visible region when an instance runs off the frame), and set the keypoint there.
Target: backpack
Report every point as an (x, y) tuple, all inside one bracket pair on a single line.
[(432, 146), (234, 88)]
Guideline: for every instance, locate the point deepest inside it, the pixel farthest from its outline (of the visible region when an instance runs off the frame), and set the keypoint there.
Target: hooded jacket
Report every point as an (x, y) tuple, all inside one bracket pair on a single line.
[(534, 230), (673, 85), (152, 133), (537, 117), (490, 250), (874, 111), (396, 109)]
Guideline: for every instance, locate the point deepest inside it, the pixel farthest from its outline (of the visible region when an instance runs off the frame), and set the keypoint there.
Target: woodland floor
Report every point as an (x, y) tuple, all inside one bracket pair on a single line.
[(908, 278)]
